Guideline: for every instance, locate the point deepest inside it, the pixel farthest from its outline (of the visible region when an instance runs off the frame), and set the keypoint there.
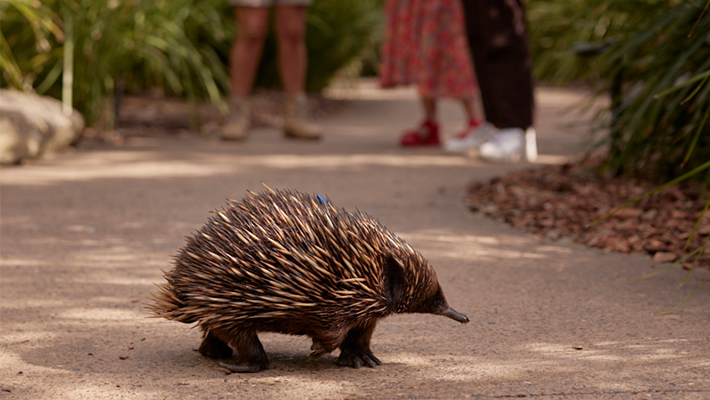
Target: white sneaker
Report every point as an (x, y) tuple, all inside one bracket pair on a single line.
[(507, 146), (530, 144), (470, 139)]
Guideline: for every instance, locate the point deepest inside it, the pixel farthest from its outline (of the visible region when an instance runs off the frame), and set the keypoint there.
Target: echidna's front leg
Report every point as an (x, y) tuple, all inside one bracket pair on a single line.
[(251, 354), (214, 347), (355, 349)]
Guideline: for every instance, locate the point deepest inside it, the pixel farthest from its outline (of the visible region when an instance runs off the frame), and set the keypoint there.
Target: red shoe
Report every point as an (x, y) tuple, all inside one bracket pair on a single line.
[(426, 135)]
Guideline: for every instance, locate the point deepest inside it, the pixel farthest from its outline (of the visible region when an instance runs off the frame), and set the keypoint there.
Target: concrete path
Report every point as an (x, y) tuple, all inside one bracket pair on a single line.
[(84, 236)]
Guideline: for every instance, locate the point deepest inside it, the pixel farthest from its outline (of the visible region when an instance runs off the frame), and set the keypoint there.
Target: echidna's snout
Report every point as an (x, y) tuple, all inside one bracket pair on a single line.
[(436, 304), (455, 315)]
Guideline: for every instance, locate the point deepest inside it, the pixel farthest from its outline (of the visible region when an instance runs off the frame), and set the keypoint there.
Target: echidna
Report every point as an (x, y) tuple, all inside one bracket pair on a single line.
[(288, 262)]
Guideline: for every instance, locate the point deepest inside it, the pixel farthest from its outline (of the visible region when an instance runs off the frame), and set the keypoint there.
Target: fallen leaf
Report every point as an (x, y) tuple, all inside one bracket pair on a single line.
[(664, 257), (628, 213)]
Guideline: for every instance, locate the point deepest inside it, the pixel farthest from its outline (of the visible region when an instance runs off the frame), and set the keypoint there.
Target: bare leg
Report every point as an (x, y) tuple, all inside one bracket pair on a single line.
[(290, 26), (290, 30), (246, 50), (473, 108), (355, 350), (429, 106), (251, 354)]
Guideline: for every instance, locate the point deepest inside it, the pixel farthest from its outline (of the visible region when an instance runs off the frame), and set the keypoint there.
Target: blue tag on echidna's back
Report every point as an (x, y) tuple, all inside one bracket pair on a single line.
[(321, 199)]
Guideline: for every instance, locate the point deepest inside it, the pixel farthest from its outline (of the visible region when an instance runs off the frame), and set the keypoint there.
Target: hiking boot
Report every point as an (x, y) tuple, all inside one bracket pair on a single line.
[(236, 127), (296, 125)]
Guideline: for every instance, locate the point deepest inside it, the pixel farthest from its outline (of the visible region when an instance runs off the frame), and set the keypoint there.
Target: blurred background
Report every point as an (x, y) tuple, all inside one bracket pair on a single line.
[(652, 57)]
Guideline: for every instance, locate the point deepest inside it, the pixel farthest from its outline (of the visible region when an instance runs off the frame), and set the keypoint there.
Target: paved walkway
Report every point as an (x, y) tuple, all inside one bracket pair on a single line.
[(84, 236)]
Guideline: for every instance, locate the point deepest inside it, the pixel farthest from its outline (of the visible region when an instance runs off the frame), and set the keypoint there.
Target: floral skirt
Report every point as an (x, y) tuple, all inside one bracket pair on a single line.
[(425, 43)]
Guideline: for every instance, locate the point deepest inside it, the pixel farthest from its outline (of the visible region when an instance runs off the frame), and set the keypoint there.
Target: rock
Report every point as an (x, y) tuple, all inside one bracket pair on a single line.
[(655, 245), (664, 257), (31, 125)]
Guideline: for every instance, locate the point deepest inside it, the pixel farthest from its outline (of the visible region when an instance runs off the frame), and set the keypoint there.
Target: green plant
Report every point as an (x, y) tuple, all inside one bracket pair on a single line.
[(660, 137), (29, 26), (556, 28), (634, 49), (181, 48), (145, 44)]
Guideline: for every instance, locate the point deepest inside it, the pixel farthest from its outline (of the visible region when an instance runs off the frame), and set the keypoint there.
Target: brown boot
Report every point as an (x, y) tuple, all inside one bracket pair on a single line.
[(236, 127), (296, 125)]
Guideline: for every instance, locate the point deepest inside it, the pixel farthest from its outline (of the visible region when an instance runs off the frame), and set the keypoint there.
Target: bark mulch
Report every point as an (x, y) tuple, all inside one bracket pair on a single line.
[(557, 202)]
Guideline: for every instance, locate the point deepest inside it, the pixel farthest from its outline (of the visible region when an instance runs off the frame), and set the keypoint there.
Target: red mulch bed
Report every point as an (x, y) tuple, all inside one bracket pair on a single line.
[(561, 201)]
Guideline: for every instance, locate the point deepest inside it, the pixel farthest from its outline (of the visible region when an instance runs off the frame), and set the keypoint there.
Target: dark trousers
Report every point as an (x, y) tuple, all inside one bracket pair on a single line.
[(497, 36)]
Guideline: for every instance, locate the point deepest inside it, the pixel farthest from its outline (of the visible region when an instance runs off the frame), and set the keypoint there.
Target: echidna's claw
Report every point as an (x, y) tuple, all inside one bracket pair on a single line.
[(241, 367), (358, 358)]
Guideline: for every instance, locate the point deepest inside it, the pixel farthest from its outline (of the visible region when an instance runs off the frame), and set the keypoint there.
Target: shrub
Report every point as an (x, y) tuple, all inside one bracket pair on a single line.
[(661, 137), (180, 47), (648, 47)]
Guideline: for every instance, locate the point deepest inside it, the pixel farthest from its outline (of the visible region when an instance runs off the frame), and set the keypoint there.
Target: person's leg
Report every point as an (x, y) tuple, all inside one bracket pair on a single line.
[(290, 23), (429, 107), (473, 109), (290, 26), (244, 61), (498, 40), (246, 50)]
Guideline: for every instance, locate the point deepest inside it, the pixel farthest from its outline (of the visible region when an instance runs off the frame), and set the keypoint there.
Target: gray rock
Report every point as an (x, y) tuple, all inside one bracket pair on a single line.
[(31, 125)]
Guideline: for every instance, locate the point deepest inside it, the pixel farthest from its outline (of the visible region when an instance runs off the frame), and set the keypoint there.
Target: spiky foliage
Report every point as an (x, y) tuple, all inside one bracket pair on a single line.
[(664, 136), (653, 56), (291, 263)]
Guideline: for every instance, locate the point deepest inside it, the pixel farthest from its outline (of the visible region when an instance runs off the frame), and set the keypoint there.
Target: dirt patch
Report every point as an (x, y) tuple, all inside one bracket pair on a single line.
[(561, 201)]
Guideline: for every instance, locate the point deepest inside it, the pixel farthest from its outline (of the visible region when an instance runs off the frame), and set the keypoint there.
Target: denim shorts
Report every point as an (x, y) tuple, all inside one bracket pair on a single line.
[(269, 3)]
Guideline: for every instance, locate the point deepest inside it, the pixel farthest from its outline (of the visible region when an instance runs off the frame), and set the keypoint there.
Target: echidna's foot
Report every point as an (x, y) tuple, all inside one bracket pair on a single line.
[(318, 350), (356, 358), (240, 368), (355, 349), (251, 354), (214, 347)]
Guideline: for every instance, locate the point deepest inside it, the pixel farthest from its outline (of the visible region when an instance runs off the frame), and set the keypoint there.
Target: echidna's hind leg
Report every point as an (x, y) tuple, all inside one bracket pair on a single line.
[(322, 345), (251, 354), (355, 349), (214, 347)]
